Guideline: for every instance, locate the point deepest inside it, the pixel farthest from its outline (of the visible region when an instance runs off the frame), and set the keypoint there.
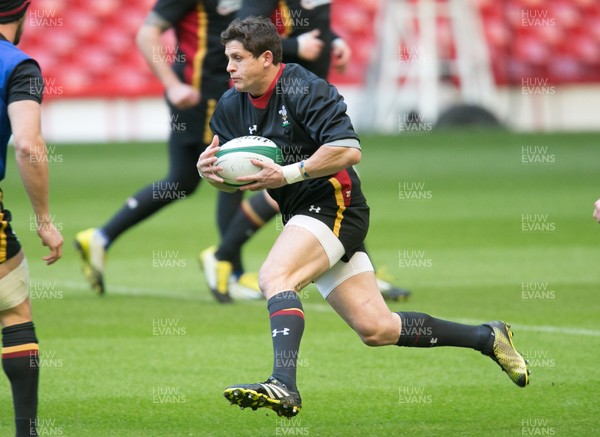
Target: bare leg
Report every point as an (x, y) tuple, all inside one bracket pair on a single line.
[(20, 351), (359, 302)]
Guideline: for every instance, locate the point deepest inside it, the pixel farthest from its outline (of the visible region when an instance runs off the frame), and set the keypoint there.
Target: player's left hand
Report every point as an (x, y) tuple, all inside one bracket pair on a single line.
[(270, 176), (341, 53)]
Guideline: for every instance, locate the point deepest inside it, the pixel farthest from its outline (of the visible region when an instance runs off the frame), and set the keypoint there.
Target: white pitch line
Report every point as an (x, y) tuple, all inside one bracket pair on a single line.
[(568, 330), (123, 290), (559, 330)]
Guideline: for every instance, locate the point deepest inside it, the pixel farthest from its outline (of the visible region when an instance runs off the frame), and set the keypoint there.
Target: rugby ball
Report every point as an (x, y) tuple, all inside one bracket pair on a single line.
[(235, 155)]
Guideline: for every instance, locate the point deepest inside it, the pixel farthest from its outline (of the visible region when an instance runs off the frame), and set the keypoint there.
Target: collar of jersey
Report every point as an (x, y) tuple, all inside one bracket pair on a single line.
[(262, 101)]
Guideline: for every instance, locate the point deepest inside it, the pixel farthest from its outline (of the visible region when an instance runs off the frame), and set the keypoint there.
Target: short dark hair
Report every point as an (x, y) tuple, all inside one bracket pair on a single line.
[(257, 35), (13, 10)]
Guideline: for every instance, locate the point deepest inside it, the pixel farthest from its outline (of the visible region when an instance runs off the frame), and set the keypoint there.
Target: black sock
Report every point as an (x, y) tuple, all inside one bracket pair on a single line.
[(21, 365), (251, 216), (287, 326), (422, 330), (140, 206), (228, 205)]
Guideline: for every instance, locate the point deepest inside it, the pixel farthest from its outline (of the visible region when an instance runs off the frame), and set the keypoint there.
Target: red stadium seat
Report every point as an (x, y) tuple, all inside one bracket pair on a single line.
[(557, 39), (89, 45)]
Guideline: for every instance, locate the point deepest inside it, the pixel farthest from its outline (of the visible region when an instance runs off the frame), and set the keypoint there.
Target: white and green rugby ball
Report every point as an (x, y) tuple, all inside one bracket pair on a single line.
[(235, 156)]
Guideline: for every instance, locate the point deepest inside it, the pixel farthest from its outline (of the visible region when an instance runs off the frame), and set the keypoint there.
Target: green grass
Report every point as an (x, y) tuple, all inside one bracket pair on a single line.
[(105, 372)]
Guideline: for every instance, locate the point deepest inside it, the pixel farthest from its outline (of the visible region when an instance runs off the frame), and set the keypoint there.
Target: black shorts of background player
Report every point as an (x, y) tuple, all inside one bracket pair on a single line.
[(194, 77), (326, 219), (309, 41), (22, 86)]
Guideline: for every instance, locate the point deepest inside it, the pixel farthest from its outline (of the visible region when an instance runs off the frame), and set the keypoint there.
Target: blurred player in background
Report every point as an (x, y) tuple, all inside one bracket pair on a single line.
[(326, 218), (597, 210), (21, 89), (309, 41), (194, 78)]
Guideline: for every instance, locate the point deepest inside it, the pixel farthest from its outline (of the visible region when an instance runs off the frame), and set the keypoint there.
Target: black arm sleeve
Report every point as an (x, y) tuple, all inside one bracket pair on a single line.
[(262, 8), (26, 83), (323, 113), (174, 10), (289, 46), (265, 9)]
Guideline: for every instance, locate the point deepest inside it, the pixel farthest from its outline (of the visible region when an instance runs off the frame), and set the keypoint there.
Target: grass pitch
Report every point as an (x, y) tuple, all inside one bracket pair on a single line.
[(480, 226)]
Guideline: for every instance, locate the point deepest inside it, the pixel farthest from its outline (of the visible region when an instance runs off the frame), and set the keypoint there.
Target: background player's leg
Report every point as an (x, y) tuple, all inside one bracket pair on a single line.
[(21, 365), (228, 206), (223, 266), (249, 216), (388, 290), (186, 142), (182, 181), (19, 347)]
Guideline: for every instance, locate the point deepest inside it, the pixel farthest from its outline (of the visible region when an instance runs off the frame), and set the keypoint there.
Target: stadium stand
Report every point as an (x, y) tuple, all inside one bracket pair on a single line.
[(89, 49), (555, 39)]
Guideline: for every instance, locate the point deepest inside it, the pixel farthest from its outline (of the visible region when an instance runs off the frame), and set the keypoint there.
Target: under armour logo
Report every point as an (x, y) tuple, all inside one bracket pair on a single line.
[(284, 331), (348, 193), (314, 208), (252, 129), (433, 341)]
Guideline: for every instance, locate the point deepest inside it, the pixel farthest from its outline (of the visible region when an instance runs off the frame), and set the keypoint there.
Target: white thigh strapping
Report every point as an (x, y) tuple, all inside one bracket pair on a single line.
[(14, 287), (333, 277), (331, 244)]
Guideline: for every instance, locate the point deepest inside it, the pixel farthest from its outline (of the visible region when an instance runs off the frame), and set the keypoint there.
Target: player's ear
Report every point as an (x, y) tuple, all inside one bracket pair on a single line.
[(268, 58)]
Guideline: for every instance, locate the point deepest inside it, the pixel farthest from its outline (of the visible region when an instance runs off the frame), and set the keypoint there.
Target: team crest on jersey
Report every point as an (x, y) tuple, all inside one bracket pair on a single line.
[(284, 116)]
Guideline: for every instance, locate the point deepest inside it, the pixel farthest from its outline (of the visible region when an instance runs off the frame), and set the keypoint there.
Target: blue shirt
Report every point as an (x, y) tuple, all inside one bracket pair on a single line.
[(10, 58)]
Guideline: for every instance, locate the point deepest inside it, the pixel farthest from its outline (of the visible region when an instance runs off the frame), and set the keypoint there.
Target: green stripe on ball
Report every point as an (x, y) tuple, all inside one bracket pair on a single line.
[(273, 153)]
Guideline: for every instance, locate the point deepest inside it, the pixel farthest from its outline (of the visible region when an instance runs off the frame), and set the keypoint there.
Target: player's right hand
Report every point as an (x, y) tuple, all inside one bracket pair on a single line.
[(52, 239), (183, 96), (206, 161), (207, 170), (309, 45)]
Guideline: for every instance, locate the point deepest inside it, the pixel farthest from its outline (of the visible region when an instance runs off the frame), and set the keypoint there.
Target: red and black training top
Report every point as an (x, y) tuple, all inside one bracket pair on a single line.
[(300, 113), (199, 58)]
